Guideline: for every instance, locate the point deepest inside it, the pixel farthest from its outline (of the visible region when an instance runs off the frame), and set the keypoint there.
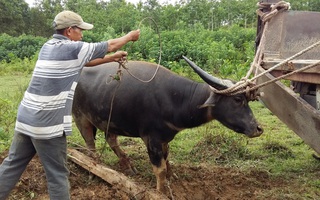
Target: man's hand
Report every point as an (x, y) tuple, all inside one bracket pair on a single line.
[(116, 44), (134, 35), (119, 56)]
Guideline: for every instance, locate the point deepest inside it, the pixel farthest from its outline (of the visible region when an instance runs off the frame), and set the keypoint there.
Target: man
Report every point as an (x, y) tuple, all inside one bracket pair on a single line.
[(44, 115)]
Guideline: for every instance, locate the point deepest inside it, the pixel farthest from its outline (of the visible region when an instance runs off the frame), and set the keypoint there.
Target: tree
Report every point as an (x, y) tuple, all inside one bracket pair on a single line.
[(39, 24), (122, 16), (151, 8), (170, 17), (41, 17), (12, 16), (306, 5), (197, 12)]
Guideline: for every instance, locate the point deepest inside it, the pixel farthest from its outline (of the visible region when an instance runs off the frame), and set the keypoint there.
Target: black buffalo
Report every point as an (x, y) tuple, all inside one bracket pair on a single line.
[(154, 111)]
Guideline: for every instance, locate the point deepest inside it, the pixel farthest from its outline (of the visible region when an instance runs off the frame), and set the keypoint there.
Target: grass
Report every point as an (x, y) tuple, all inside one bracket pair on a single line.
[(279, 151), (13, 86), (11, 91)]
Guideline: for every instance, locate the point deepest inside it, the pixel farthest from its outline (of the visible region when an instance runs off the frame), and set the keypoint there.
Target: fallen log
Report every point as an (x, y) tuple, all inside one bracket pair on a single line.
[(113, 177)]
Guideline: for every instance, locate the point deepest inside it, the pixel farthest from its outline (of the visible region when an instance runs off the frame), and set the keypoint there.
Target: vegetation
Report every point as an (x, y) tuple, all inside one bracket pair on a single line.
[(217, 51), (17, 18), (218, 35)]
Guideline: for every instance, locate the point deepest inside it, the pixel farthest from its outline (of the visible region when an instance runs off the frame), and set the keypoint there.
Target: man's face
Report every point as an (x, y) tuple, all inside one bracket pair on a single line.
[(74, 33)]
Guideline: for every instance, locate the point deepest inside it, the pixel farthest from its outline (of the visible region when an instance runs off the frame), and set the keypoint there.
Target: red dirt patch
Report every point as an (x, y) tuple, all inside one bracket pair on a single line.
[(193, 182)]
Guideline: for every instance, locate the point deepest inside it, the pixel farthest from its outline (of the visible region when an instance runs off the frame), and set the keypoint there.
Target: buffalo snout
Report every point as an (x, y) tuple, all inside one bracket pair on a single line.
[(258, 131)]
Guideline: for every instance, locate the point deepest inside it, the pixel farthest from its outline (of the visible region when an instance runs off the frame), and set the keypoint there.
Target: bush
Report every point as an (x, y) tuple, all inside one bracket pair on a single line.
[(17, 66), (226, 53), (24, 46)]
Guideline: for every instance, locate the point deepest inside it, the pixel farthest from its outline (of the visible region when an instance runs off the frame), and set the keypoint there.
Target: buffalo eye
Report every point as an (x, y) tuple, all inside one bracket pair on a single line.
[(238, 100)]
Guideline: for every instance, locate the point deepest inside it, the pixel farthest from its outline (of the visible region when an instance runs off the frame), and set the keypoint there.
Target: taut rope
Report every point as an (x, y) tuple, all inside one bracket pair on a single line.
[(248, 86)]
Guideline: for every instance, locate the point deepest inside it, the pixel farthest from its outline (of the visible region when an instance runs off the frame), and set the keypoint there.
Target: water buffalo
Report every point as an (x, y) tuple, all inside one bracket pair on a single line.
[(154, 111)]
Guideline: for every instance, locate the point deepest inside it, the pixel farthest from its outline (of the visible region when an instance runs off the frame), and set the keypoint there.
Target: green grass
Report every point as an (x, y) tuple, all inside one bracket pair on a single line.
[(12, 88), (278, 152)]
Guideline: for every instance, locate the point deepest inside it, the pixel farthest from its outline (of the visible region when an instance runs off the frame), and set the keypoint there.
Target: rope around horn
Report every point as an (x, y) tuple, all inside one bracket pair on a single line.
[(248, 86)]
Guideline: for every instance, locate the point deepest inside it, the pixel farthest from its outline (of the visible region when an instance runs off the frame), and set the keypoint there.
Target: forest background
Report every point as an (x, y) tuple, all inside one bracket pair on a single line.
[(219, 35)]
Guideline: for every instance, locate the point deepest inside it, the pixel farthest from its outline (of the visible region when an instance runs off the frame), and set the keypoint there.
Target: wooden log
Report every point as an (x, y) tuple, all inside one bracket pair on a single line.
[(113, 177)]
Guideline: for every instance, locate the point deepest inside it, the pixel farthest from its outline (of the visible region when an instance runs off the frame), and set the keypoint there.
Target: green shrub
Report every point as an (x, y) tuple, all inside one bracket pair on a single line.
[(17, 66), (226, 52), (24, 46)]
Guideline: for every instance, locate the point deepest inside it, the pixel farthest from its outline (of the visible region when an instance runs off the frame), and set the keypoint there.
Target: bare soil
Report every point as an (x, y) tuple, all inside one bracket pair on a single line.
[(192, 183)]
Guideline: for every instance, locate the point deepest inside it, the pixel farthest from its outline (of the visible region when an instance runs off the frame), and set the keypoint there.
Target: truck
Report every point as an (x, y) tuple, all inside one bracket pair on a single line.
[(286, 44)]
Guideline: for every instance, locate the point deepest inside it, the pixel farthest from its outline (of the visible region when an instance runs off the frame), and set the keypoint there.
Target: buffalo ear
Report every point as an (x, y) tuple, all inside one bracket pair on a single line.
[(217, 83)]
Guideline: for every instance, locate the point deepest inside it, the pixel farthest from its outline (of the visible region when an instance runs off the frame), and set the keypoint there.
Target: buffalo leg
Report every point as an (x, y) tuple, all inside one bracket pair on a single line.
[(158, 154), (160, 173), (123, 158), (88, 132), (165, 150)]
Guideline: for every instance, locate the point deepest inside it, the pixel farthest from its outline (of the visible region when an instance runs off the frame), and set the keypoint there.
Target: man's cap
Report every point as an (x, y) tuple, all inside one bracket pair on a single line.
[(67, 19)]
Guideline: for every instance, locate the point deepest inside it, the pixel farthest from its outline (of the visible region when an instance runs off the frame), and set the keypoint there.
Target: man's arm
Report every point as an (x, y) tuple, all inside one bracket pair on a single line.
[(114, 45), (118, 56), (117, 43)]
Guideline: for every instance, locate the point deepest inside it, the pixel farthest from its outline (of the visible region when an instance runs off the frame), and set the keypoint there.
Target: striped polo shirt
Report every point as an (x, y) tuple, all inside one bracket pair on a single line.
[(45, 110)]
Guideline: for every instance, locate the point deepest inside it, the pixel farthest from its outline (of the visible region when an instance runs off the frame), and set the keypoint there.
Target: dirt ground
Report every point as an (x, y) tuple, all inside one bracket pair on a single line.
[(193, 183)]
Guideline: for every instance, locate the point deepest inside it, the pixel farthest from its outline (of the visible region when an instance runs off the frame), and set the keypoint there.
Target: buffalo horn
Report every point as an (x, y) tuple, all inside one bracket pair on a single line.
[(217, 83)]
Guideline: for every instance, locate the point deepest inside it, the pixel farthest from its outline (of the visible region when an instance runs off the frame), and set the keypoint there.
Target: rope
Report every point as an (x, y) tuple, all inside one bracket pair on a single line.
[(109, 119), (248, 86), (119, 74), (288, 59), (244, 83), (285, 75), (275, 9), (124, 64)]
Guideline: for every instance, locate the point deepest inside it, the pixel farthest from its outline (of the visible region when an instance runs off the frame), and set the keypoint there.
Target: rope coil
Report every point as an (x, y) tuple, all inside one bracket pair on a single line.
[(124, 63)]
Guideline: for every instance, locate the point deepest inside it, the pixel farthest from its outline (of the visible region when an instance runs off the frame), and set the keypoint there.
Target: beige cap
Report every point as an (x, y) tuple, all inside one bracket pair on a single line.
[(67, 19)]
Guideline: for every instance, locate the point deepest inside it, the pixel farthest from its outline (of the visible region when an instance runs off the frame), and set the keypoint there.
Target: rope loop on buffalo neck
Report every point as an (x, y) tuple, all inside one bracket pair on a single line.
[(248, 86)]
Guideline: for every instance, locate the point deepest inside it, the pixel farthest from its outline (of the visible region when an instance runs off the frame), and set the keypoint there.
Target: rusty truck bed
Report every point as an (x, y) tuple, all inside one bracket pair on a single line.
[(286, 34)]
